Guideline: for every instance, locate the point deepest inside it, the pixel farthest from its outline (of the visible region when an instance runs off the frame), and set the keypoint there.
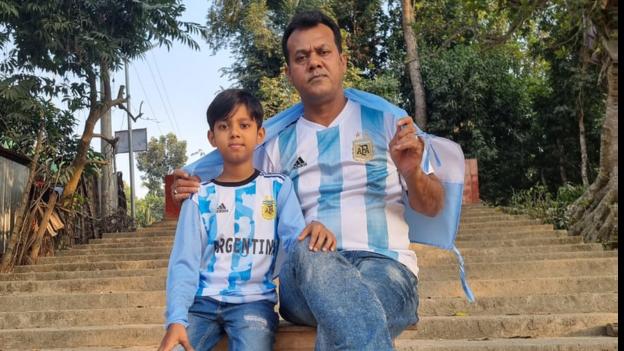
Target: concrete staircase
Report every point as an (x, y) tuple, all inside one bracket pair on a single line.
[(537, 289)]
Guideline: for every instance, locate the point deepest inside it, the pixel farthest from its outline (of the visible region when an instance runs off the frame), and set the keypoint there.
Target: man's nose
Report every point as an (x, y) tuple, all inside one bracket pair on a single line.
[(314, 61)]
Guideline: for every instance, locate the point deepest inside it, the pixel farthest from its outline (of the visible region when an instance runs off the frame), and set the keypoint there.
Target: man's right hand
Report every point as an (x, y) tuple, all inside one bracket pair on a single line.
[(176, 334), (184, 185)]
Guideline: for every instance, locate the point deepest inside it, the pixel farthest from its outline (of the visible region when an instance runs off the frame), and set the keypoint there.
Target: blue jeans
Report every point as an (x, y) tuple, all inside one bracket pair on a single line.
[(249, 326), (357, 300)]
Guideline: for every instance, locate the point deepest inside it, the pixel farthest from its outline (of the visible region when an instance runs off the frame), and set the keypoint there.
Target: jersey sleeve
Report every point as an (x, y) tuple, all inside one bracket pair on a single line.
[(184, 263), (290, 220)]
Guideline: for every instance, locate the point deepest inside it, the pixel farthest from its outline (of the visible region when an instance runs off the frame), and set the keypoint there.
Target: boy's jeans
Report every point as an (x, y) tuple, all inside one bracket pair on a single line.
[(249, 326), (358, 300)]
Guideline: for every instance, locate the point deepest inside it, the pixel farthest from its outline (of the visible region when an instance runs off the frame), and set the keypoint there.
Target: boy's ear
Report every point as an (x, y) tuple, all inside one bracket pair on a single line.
[(211, 138), (261, 135)]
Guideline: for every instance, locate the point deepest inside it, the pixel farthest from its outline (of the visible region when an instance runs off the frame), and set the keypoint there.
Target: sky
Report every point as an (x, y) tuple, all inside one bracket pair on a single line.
[(176, 87)]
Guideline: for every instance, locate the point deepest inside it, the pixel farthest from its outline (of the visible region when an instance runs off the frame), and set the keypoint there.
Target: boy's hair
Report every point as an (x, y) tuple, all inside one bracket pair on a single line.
[(226, 103), (306, 20)]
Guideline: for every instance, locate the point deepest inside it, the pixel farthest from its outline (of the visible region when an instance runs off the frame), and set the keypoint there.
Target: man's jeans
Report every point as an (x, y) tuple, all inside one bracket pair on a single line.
[(249, 326), (357, 300)]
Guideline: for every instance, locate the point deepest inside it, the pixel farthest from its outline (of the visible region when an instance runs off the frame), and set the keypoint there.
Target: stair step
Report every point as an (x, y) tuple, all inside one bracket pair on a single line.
[(86, 274), (511, 344), (80, 266), (587, 324), (434, 260), (450, 288), (524, 269), (55, 301)]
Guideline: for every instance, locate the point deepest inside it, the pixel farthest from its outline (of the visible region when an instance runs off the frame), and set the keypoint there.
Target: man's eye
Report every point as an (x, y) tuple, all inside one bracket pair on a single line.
[(299, 59)]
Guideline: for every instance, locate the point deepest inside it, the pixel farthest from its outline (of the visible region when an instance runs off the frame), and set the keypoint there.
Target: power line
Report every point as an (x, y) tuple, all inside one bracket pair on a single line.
[(160, 95), (175, 120), (138, 76)]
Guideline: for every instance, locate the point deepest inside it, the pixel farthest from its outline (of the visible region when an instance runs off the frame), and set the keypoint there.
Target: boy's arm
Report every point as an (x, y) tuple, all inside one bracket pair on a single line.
[(290, 220), (184, 263)]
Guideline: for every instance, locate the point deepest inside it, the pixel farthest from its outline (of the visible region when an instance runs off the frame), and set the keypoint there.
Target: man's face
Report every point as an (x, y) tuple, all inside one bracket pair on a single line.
[(316, 68), (237, 136)]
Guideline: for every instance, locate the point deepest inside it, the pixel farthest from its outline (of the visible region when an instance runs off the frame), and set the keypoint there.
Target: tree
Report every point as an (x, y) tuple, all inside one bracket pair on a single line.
[(163, 155), (84, 40), (413, 64), (595, 214)]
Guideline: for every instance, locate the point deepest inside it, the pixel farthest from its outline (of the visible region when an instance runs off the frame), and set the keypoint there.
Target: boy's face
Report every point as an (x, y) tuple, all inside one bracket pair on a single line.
[(237, 136)]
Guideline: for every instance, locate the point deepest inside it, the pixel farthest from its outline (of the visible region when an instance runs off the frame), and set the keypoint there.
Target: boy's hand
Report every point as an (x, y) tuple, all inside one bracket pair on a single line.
[(176, 334), (184, 185), (320, 237)]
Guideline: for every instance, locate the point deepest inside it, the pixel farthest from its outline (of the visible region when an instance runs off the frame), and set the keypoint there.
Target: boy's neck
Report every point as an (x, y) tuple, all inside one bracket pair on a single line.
[(236, 172)]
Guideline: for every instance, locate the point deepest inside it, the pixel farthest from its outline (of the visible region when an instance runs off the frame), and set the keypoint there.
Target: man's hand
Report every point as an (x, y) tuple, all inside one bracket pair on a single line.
[(425, 192), (320, 237), (184, 185), (406, 149), (176, 334)]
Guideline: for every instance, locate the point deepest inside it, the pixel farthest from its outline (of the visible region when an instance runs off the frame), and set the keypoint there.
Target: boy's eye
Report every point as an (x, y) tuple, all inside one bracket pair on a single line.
[(222, 126)]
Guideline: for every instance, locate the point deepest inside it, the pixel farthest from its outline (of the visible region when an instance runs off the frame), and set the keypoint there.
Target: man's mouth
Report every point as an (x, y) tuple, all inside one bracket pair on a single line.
[(317, 76)]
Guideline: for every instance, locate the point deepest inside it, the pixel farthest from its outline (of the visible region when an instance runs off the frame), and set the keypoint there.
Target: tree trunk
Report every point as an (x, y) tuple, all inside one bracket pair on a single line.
[(20, 220), (562, 172), (43, 225), (595, 214), (413, 65), (582, 138)]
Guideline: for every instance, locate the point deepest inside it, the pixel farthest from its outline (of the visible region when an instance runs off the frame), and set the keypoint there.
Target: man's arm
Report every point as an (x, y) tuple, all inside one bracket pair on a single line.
[(184, 185), (424, 191)]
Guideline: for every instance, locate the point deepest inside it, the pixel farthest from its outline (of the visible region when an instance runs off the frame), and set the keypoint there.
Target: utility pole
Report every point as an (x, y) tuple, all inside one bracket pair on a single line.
[(108, 188), (130, 146)]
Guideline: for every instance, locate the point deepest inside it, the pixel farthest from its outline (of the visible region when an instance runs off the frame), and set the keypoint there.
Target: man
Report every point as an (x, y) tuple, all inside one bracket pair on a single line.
[(350, 165)]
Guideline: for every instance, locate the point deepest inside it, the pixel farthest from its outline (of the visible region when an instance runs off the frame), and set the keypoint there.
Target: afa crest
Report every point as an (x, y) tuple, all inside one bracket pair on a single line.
[(363, 149), (268, 208)]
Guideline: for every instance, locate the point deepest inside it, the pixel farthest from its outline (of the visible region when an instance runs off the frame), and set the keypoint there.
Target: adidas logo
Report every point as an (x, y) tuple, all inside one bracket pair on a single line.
[(299, 163), (221, 208)]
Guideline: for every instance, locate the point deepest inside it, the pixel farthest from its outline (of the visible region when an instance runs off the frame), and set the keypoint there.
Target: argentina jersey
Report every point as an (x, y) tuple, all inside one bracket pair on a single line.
[(230, 240), (345, 178)]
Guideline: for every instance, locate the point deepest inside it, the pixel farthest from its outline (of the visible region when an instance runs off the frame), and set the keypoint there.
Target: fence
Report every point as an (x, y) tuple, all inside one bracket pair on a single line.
[(13, 176)]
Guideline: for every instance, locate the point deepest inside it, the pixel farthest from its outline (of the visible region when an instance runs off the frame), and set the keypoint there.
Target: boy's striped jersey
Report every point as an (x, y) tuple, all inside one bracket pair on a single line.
[(345, 178), (228, 240)]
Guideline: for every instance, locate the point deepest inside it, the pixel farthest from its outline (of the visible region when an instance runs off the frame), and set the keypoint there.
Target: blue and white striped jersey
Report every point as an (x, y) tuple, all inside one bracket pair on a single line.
[(230, 241), (345, 178)]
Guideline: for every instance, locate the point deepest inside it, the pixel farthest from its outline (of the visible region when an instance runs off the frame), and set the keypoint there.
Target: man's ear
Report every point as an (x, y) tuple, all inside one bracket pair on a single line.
[(211, 138), (286, 71), (261, 135), (344, 59)]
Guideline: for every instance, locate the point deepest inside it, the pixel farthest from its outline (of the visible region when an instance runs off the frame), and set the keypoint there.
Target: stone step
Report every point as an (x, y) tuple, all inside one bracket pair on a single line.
[(424, 258), (552, 325), (491, 218), (80, 274), (529, 304), (429, 251), (74, 251), (510, 344), (81, 318), (516, 222), (556, 325), (462, 236), (513, 236), (428, 288), (144, 264), (167, 243), (428, 260), (78, 300), (520, 287), (524, 269), (509, 230), (27, 311)]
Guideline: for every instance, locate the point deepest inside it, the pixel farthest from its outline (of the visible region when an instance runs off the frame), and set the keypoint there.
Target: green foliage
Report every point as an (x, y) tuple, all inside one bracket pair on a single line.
[(163, 155), (538, 202), (149, 209)]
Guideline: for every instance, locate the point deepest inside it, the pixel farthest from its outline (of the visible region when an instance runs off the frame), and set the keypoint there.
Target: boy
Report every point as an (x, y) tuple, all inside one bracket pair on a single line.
[(228, 239)]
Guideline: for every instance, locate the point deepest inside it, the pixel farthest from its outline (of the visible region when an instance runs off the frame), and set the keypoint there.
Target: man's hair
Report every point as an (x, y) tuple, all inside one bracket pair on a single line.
[(226, 103), (306, 20)]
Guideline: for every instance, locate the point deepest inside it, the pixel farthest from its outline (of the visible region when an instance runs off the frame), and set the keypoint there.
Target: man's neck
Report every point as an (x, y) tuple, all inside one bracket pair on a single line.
[(324, 112), (236, 172)]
